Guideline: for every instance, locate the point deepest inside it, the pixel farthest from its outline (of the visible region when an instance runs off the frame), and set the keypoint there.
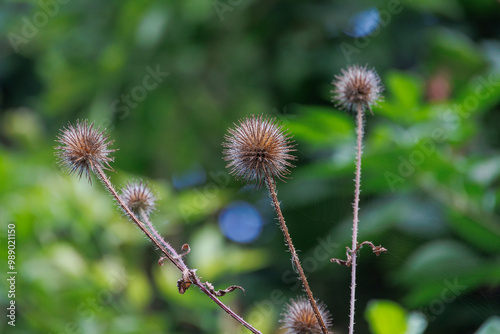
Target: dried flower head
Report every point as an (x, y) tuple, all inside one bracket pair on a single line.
[(137, 196), (299, 317), (83, 148), (357, 86), (257, 147)]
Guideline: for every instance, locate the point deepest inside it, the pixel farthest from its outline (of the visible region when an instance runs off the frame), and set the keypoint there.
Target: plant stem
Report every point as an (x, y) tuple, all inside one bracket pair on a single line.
[(225, 307), (295, 257), (359, 151), (100, 173), (158, 237), (174, 257)]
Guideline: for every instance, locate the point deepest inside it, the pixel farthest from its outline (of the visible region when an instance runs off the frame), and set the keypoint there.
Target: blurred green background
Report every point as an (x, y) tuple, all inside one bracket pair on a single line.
[(167, 78)]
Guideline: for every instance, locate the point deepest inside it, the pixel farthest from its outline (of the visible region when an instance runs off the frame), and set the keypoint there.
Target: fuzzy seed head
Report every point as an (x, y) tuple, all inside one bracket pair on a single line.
[(299, 317), (257, 147), (137, 196), (83, 148), (357, 86)]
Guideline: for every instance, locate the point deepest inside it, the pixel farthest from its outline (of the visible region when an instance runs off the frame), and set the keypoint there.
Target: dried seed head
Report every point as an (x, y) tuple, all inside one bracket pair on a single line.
[(83, 148), (299, 317), (357, 86), (137, 196), (258, 146)]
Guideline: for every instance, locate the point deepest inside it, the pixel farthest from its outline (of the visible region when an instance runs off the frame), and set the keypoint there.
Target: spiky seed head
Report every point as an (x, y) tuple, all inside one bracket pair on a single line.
[(138, 196), (83, 148), (258, 146), (299, 317), (357, 86)]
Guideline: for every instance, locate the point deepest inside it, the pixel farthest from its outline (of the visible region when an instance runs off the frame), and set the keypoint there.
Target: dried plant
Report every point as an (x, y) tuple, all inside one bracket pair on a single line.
[(258, 149), (84, 149), (356, 89), (139, 198), (299, 317)]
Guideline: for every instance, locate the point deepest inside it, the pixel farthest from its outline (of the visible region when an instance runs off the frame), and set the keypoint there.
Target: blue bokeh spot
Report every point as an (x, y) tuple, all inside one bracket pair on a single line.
[(363, 23), (240, 222)]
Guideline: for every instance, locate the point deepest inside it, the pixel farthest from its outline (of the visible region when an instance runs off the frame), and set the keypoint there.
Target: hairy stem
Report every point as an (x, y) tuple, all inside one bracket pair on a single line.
[(174, 257), (225, 307), (159, 238), (100, 173), (295, 257), (359, 151)]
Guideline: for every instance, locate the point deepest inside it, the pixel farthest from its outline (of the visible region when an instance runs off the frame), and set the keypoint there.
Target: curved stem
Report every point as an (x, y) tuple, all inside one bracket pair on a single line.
[(359, 151), (295, 257), (174, 257)]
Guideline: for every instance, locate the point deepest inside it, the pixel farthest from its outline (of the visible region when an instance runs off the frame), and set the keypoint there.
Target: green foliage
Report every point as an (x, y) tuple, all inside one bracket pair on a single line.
[(430, 176), (386, 317)]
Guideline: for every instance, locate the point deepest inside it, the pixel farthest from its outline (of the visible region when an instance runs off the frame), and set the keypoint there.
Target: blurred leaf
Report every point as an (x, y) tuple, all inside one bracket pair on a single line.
[(386, 317), (480, 93), (441, 266), (139, 290), (67, 259), (437, 260), (475, 231), (405, 89), (320, 126), (456, 52)]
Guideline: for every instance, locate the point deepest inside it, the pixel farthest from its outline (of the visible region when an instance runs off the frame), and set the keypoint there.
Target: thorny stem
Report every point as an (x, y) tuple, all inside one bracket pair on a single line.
[(174, 257), (158, 237), (223, 306), (100, 173), (359, 151), (291, 247)]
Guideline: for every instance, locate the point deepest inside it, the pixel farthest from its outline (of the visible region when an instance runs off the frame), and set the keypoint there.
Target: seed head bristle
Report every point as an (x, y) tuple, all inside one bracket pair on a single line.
[(299, 317), (357, 86), (258, 146), (137, 196), (83, 148)]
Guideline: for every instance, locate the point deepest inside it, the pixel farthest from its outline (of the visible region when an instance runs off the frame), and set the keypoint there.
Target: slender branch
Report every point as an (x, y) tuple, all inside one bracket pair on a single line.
[(359, 151), (174, 257), (225, 307), (159, 238), (295, 257)]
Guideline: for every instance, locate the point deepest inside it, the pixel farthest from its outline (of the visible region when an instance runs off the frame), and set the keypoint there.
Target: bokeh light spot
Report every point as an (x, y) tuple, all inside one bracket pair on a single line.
[(240, 222), (363, 23)]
